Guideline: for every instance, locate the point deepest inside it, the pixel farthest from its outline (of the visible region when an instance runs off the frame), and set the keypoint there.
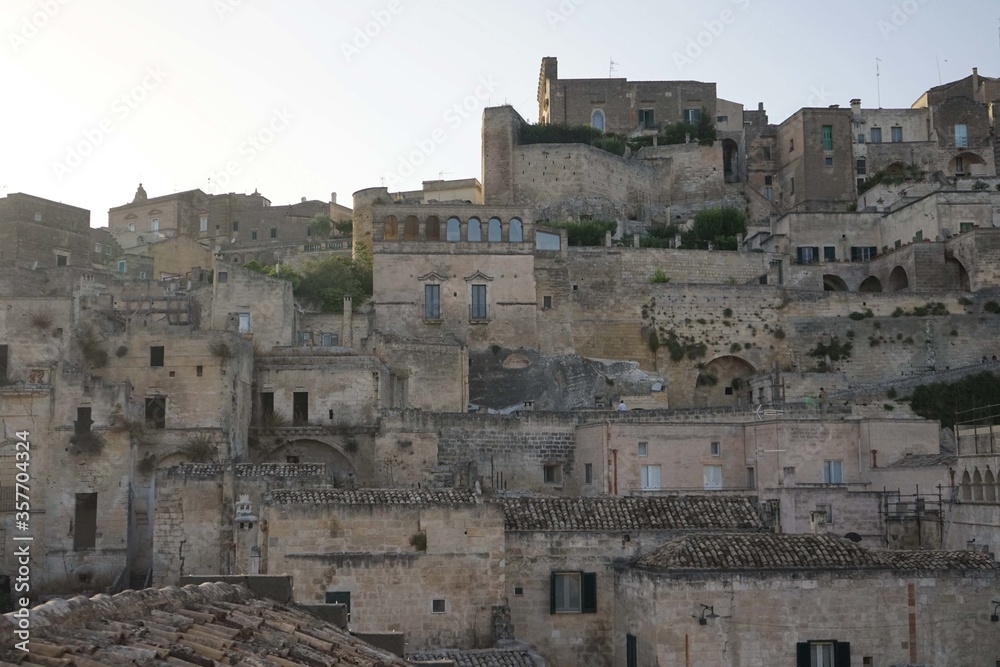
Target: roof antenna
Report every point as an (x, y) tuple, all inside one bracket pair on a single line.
[(612, 68), (878, 85)]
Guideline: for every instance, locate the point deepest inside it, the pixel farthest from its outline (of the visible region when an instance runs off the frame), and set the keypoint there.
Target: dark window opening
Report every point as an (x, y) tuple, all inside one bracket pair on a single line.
[(829, 253), (826, 653), (518, 591), (267, 405), (300, 408), (546, 303), (631, 651), (437, 606), (573, 592), (4, 354), (291, 459), (223, 276), (156, 412), (588, 473), (156, 355), (274, 232), (61, 260), (478, 307), (83, 421), (253, 235), (432, 302), (646, 118), (199, 370), (85, 522)]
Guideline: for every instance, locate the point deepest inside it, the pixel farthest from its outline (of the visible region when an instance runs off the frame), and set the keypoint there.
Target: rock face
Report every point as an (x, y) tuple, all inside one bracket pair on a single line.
[(502, 379)]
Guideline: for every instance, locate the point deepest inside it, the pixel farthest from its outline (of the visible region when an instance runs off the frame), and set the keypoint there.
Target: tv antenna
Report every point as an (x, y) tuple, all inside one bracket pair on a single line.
[(878, 85), (612, 69), (442, 173)]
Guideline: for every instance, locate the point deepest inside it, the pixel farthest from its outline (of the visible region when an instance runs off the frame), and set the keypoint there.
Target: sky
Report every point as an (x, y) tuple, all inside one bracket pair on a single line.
[(302, 98)]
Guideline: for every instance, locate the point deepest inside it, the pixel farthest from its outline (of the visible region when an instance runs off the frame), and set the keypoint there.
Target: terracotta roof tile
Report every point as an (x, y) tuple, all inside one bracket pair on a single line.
[(373, 497), (209, 470), (924, 461), (493, 657)]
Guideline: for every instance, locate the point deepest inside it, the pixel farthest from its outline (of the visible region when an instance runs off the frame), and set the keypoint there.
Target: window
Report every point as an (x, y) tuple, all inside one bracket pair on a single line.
[(432, 229), (588, 473), (791, 186), (453, 230), (223, 276), (769, 193), (959, 166), (154, 225), (897, 244), (827, 511), (142, 275), (833, 472), (62, 260), (769, 180), (861, 138), (244, 319), (107, 250), (961, 136), (767, 152), (478, 306), (97, 248), (751, 478), (199, 371), (475, 231), (712, 477), (964, 227), (646, 118), (649, 477), (722, 119), (828, 137), (876, 135), (692, 116), (85, 522), (552, 473), (896, 135), (4, 355), (438, 606), (807, 255), (291, 459), (432, 302), (121, 266), (131, 226), (919, 236), (267, 405), (828, 161), (547, 241), (300, 408), (156, 412), (236, 225), (862, 166), (546, 302), (330, 340), (829, 253), (274, 232), (83, 421), (643, 449), (38, 217), (253, 235), (863, 253), (631, 651), (716, 449), (518, 591), (791, 145), (573, 592), (516, 232), (597, 120), (203, 222), (826, 653), (493, 230), (156, 355)]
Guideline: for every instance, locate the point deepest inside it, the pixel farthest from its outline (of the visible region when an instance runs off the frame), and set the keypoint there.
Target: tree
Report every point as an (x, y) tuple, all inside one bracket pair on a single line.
[(320, 226), (718, 226)]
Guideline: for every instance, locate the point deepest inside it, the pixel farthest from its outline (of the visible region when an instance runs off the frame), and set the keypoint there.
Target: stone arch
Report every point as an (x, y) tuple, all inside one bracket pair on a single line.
[(966, 486), (453, 230), (236, 259), (977, 485), (266, 258), (597, 120), (961, 163), (870, 284), (895, 169), (989, 487), (391, 227), (730, 158), (309, 450), (249, 257), (493, 230), (474, 233), (898, 280), (832, 283), (411, 228), (964, 284), (432, 228), (515, 232), (723, 381)]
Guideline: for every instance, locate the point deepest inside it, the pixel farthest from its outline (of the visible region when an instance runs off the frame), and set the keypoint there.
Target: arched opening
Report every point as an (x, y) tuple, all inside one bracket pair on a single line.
[(236, 259), (248, 258), (266, 258), (432, 229), (895, 169), (493, 230), (453, 230), (475, 233), (516, 232), (411, 228), (391, 228), (977, 485), (870, 284), (967, 164), (966, 486), (597, 120), (314, 451), (723, 381), (961, 274), (989, 487), (730, 156), (833, 283), (898, 280)]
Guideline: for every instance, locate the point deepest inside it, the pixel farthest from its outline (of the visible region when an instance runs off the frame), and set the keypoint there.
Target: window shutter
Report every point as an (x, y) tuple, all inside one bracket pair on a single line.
[(842, 654), (802, 658), (588, 596), (552, 593)]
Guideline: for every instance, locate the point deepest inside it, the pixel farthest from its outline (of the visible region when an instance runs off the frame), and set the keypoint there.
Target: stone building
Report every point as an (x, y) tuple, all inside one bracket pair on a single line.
[(38, 233)]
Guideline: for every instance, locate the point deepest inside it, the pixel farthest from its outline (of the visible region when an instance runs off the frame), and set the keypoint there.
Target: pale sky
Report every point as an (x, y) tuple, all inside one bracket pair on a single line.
[(291, 97)]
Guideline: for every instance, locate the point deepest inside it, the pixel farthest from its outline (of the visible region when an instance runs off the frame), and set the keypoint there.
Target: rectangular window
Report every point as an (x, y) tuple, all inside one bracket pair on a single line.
[(769, 193), (300, 408), (833, 472), (62, 260), (244, 319), (4, 355), (203, 223), (121, 266), (712, 477), (199, 371), (552, 473), (438, 606), (267, 405), (861, 138), (236, 225), (896, 135), (546, 303), (253, 235), (154, 225), (791, 186), (722, 119), (131, 226), (643, 449), (863, 253), (156, 355), (716, 449), (919, 236), (862, 166), (827, 511), (767, 152), (959, 166), (83, 421), (631, 651), (692, 116), (828, 161), (274, 232), (828, 137), (85, 522), (588, 473), (791, 145), (751, 478), (646, 118), (97, 248), (961, 136), (876, 135), (573, 592), (107, 250), (330, 340), (649, 477), (223, 276), (964, 227), (478, 308), (142, 275), (897, 244), (432, 302), (829, 253), (769, 180), (807, 255), (156, 412), (826, 653)]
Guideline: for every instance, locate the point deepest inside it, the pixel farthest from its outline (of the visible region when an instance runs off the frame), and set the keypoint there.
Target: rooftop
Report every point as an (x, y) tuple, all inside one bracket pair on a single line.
[(924, 461), (492, 657), (766, 551), (213, 623), (373, 497), (631, 513)]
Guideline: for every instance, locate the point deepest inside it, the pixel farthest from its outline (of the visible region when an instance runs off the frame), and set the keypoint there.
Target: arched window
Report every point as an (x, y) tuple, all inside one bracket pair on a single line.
[(966, 486), (475, 230), (454, 230), (989, 487), (236, 259), (977, 485), (391, 228), (516, 232), (432, 229), (411, 228), (597, 120), (494, 230)]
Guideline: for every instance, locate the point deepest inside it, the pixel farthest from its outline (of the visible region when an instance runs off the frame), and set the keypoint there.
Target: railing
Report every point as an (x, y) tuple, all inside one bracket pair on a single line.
[(327, 245)]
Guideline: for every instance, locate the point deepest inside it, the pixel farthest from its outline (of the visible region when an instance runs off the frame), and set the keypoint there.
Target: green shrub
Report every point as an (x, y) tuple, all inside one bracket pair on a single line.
[(991, 307), (586, 233), (419, 541), (728, 312), (835, 350), (200, 449), (857, 316), (735, 347), (660, 277), (942, 400)]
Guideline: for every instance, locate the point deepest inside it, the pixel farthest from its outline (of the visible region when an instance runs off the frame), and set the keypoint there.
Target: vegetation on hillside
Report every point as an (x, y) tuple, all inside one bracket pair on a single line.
[(718, 226), (942, 400), (324, 283)]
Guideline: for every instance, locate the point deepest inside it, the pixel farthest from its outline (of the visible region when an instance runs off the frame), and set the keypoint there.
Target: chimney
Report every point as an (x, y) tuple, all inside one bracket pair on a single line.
[(333, 197), (856, 107), (975, 81), (817, 522), (760, 106), (303, 200)]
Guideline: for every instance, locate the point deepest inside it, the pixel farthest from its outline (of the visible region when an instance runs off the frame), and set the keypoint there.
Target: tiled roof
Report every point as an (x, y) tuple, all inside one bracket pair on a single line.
[(924, 461), (207, 470), (631, 513), (210, 624), (492, 657), (765, 551), (373, 497)]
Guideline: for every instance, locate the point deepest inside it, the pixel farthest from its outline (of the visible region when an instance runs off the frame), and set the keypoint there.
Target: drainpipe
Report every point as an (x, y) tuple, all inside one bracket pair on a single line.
[(614, 452)]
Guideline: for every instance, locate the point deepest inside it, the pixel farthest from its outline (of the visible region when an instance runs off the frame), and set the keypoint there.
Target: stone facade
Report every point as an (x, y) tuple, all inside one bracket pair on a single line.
[(38, 233)]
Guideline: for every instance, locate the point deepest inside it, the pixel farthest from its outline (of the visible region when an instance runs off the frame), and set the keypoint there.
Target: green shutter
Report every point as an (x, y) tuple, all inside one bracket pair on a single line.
[(842, 654), (588, 594), (802, 657)]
